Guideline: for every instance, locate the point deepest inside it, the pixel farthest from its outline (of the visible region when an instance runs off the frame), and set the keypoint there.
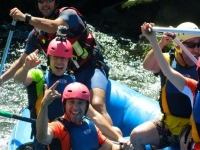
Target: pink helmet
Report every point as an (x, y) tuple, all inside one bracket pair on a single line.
[(76, 90), (60, 48)]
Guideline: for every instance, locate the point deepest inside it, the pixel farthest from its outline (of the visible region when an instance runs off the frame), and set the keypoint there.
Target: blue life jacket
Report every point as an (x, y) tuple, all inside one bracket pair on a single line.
[(173, 96), (56, 107), (82, 137)]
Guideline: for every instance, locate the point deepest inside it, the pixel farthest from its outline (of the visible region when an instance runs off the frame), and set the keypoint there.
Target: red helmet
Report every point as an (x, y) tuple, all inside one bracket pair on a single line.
[(60, 48), (76, 90)]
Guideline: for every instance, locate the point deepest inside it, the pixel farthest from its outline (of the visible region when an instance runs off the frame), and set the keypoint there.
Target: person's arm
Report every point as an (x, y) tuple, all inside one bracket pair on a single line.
[(103, 125), (43, 24), (174, 77), (21, 76), (109, 145), (12, 70), (44, 134), (150, 62)]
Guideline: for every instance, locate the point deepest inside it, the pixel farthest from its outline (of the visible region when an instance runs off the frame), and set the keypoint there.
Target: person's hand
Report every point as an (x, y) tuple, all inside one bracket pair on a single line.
[(50, 94), (166, 37), (17, 14), (145, 31), (127, 145), (31, 60)]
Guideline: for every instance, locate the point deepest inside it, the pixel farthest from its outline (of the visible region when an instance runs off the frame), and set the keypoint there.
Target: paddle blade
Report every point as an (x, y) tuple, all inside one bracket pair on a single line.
[(6, 114)]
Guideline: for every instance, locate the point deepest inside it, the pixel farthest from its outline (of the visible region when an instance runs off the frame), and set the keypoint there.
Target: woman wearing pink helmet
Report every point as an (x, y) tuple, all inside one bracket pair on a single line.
[(73, 130)]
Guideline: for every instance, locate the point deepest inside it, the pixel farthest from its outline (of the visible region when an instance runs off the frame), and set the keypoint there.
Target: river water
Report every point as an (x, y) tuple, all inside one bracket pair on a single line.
[(125, 67)]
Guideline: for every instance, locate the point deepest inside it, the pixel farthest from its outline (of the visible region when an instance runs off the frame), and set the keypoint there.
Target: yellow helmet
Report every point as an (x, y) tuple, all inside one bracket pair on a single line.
[(182, 36)]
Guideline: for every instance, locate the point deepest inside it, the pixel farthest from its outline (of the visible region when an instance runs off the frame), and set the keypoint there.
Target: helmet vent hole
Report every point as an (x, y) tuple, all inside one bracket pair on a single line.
[(70, 91), (66, 50), (84, 92)]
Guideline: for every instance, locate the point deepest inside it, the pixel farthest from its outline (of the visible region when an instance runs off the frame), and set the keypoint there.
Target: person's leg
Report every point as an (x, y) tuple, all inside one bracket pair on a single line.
[(96, 82), (98, 102), (98, 94), (143, 134), (185, 139)]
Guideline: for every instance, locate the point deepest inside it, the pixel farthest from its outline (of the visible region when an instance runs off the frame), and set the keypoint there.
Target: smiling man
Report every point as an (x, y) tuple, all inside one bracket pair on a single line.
[(73, 130), (87, 63), (59, 53)]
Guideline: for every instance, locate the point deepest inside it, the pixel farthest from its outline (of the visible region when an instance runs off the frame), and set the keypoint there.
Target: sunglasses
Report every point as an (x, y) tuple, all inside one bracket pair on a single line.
[(192, 45), (42, 1)]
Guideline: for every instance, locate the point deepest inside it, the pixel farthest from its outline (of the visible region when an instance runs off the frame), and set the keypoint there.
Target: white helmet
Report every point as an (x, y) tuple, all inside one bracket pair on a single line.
[(182, 36)]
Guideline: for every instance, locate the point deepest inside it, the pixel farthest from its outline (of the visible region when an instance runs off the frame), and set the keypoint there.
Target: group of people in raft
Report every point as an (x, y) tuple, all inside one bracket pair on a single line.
[(68, 96)]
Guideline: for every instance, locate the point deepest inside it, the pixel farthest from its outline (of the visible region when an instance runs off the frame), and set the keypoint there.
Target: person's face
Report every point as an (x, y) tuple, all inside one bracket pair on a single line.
[(58, 65), (46, 7), (75, 109), (193, 45)]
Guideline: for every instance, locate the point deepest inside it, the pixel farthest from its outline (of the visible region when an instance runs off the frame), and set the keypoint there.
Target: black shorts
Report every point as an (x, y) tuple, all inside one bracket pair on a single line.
[(166, 137)]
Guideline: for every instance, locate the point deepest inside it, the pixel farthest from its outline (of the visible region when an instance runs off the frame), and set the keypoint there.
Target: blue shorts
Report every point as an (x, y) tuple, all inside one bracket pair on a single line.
[(92, 78)]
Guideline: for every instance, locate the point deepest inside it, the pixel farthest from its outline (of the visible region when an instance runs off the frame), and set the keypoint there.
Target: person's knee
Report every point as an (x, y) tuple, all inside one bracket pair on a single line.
[(135, 137), (98, 102)]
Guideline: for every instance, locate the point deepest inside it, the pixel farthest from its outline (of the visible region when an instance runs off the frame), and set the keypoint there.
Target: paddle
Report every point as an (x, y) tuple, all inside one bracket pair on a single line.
[(10, 115), (164, 29), (3, 60), (185, 31), (186, 51)]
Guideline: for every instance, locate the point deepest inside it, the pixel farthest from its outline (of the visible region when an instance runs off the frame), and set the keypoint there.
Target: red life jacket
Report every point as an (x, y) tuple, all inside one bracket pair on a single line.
[(83, 44)]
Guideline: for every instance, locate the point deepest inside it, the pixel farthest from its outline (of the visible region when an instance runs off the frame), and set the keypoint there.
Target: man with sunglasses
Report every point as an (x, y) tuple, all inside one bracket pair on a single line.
[(87, 62), (175, 106)]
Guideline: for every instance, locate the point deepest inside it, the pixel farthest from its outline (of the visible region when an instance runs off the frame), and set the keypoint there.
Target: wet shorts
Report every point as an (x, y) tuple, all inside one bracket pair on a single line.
[(166, 137), (92, 78)]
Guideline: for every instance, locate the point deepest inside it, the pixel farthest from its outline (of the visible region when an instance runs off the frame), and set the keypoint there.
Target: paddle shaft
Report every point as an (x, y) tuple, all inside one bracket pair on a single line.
[(10, 115), (175, 30), (186, 51), (3, 60), (185, 31)]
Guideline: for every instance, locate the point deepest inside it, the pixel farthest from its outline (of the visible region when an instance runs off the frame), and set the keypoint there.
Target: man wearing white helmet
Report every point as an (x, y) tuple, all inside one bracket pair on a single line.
[(175, 106)]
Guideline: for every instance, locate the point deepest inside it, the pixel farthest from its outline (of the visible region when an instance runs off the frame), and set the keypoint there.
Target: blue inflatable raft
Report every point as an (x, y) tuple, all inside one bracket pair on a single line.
[(127, 108)]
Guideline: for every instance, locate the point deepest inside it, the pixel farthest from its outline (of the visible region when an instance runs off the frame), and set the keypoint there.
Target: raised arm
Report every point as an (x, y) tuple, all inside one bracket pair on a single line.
[(175, 78), (150, 62), (44, 134), (21, 76), (43, 24), (12, 70)]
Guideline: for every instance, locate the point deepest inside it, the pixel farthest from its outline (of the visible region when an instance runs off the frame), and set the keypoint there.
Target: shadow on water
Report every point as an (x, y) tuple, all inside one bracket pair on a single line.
[(121, 54)]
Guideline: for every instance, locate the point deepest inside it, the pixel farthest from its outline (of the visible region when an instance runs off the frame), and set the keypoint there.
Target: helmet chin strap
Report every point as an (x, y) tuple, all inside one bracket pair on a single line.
[(184, 60)]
